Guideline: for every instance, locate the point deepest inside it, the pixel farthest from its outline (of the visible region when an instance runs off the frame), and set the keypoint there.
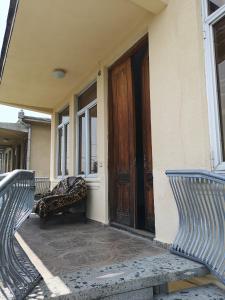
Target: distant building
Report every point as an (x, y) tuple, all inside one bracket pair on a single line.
[(25, 145)]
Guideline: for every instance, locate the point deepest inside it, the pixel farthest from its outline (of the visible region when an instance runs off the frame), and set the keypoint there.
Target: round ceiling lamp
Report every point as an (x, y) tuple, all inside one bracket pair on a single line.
[(59, 73)]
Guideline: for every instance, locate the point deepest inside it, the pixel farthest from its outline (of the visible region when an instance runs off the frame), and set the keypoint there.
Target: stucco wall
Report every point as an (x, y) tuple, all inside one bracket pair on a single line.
[(40, 149), (180, 134), (97, 205)]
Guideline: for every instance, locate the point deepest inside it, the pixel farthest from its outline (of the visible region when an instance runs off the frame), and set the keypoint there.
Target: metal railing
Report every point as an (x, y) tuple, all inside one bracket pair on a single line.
[(42, 185), (200, 199), (3, 175), (18, 276)]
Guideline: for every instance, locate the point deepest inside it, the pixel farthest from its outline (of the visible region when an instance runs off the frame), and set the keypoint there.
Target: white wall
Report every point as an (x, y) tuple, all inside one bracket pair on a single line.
[(180, 134)]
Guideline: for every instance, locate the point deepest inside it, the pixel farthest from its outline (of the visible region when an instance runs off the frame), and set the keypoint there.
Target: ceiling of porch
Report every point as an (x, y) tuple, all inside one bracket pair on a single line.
[(74, 35), (10, 137)]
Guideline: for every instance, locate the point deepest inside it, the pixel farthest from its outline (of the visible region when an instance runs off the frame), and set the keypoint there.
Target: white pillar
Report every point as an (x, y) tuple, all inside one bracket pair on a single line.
[(72, 136), (102, 136), (53, 147)]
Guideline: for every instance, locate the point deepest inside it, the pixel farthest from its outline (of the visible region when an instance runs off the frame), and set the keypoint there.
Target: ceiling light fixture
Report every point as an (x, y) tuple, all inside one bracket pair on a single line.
[(59, 73)]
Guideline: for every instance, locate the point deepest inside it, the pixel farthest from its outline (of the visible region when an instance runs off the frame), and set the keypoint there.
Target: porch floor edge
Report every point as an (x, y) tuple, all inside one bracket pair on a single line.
[(131, 275)]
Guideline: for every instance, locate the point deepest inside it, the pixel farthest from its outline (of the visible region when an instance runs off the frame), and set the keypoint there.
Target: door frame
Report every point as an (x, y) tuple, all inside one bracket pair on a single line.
[(139, 44)]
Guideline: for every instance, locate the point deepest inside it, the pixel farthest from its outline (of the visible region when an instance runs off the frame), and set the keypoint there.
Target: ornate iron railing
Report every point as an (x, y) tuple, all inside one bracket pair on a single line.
[(18, 276), (200, 199), (42, 185)]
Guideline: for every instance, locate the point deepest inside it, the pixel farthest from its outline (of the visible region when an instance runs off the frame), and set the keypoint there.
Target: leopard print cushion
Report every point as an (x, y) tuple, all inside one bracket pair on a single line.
[(67, 192)]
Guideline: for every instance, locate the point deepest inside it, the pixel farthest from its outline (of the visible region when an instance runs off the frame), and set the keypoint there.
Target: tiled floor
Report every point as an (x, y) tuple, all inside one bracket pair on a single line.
[(70, 247)]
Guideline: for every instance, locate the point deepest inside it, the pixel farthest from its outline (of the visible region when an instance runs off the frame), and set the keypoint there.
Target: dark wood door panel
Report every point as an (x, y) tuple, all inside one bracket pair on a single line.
[(147, 146), (122, 209), (130, 144), (122, 144)]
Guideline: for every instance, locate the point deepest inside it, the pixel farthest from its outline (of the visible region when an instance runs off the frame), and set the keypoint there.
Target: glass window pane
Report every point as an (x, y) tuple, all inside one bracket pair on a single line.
[(60, 141), (93, 139), (63, 138), (64, 116), (82, 145), (66, 149), (88, 96), (219, 40), (213, 5)]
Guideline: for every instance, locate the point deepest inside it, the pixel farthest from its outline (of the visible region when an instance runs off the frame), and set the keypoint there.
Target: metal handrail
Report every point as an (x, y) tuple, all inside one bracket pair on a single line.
[(17, 273), (3, 175), (42, 185), (200, 199)]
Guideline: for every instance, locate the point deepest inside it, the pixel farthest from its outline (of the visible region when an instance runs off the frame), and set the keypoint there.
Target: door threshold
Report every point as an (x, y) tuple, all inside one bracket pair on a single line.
[(139, 232)]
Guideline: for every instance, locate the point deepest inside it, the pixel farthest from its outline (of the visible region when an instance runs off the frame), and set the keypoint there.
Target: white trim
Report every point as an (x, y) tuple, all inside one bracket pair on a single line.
[(89, 106), (214, 17), (84, 111), (87, 148), (211, 84), (77, 145), (63, 161)]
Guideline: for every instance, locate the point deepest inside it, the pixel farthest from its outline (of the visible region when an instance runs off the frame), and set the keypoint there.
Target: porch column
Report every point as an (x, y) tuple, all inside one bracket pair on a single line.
[(102, 137), (72, 136), (22, 155), (53, 148)]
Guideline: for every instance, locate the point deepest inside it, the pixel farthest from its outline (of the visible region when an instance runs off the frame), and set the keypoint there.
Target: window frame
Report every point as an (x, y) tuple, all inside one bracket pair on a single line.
[(217, 162), (63, 127), (85, 110)]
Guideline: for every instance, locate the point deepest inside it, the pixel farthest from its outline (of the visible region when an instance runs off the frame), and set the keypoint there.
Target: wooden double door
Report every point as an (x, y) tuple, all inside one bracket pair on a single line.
[(130, 148)]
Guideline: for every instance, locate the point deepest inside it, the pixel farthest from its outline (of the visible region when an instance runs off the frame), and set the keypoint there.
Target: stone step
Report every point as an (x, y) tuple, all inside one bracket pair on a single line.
[(208, 292), (115, 281)]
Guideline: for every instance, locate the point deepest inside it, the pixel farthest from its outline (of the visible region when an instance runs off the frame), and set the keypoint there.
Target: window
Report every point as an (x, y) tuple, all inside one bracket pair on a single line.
[(87, 132), (214, 27), (63, 143), (219, 44), (213, 5)]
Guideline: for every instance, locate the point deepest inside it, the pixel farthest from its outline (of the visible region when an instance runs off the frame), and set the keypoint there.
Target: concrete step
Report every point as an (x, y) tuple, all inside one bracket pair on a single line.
[(209, 292), (125, 280)]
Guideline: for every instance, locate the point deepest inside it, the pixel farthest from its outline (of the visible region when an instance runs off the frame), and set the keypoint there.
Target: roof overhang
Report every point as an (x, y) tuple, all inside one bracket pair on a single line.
[(36, 120), (8, 32), (75, 37), (16, 127)]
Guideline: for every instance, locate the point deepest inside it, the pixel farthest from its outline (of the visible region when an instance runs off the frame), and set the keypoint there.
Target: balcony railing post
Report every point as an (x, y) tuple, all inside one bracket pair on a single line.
[(42, 185), (200, 199), (17, 273)]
